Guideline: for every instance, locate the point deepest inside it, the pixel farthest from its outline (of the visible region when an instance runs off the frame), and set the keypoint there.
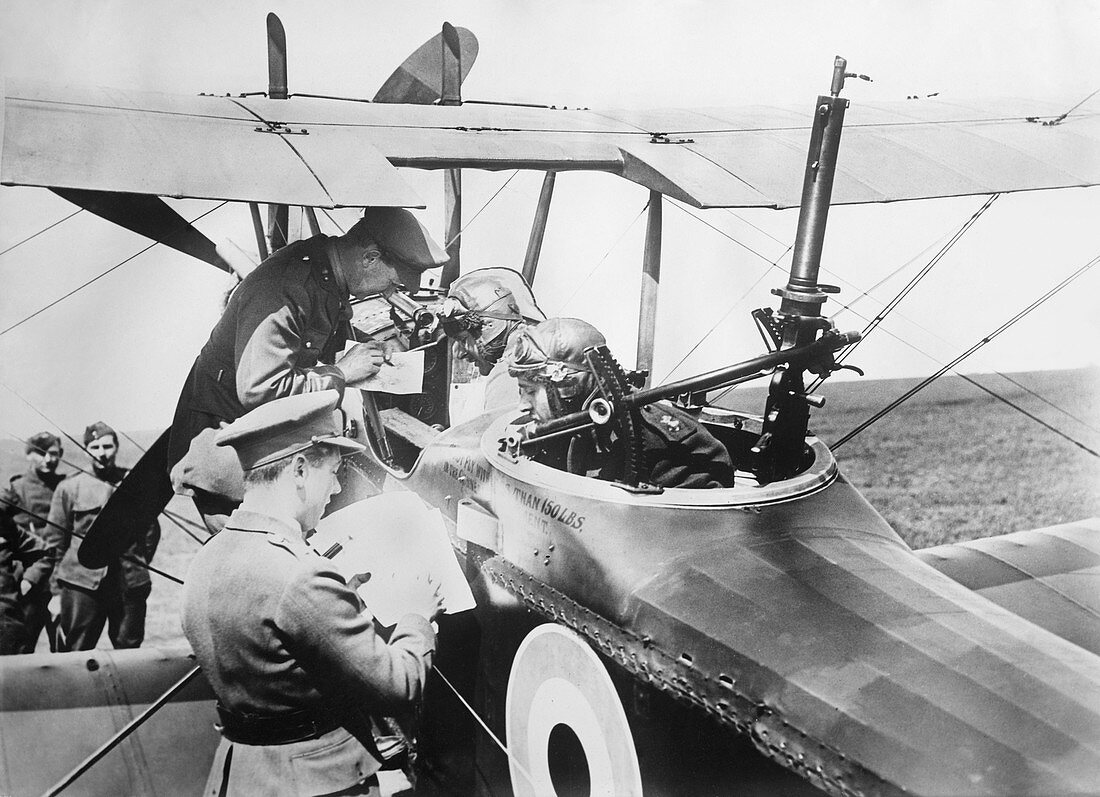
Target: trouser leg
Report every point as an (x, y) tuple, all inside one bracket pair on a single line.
[(36, 614), (82, 618), (11, 632), (126, 617)]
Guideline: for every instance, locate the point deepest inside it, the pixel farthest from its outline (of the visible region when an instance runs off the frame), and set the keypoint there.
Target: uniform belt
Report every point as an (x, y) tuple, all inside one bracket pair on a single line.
[(264, 729)]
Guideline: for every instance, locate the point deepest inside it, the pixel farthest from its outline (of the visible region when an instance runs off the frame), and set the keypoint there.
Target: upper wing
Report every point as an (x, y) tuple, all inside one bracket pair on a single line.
[(324, 153)]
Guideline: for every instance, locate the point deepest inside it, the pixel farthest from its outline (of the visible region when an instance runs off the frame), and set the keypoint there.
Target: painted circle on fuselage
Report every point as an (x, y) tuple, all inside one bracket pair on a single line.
[(560, 697)]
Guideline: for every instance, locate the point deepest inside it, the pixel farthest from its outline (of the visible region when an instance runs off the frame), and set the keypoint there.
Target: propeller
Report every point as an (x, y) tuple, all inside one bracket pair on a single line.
[(419, 80)]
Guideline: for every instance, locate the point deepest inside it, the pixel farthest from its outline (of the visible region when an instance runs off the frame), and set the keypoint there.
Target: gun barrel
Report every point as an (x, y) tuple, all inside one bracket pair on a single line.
[(826, 344)]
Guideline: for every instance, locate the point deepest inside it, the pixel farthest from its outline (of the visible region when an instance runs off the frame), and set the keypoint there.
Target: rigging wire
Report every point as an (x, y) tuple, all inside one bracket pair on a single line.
[(131, 559), (466, 226), (771, 263), (600, 262), (481, 722), (916, 278), (44, 229), (76, 443), (987, 339), (99, 276), (867, 294)]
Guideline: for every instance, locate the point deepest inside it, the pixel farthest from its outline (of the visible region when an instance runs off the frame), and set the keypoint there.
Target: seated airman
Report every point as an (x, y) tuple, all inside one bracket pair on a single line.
[(482, 314), (555, 380)]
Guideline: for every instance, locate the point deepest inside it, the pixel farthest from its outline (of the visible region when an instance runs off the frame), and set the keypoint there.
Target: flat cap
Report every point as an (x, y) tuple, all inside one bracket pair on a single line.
[(285, 426), (402, 236)]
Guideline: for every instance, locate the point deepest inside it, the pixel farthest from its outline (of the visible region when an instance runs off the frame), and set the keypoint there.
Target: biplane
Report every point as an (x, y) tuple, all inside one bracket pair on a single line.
[(776, 636)]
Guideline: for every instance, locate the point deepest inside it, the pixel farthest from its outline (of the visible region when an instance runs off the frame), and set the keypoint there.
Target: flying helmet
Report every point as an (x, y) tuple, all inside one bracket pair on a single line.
[(484, 306), (553, 353)]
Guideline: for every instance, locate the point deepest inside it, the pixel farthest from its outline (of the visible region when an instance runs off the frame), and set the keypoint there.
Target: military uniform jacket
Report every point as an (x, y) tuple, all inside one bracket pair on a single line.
[(17, 545), (282, 328), (276, 629), (32, 494), (676, 451), (76, 502)]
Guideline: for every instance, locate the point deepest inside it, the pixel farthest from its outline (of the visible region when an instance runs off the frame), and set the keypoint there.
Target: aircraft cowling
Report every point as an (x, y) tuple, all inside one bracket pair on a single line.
[(800, 620)]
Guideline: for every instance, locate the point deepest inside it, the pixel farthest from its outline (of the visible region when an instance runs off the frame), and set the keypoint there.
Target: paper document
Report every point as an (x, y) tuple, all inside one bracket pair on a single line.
[(396, 542), (403, 374)]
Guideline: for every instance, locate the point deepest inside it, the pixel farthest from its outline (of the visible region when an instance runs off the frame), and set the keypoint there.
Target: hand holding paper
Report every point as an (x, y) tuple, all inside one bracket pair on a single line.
[(396, 553), (400, 372)]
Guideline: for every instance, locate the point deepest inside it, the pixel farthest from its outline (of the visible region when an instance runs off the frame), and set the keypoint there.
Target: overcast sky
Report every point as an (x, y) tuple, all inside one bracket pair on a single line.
[(119, 349)]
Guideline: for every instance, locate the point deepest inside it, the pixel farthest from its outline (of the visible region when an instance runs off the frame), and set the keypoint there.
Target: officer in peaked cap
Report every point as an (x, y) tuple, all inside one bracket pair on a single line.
[(483, 312), (555, 380), (282, 332), (296, 667)]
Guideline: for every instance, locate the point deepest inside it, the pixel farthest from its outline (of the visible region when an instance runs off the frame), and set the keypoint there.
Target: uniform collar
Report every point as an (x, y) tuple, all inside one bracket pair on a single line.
[(336, 269), (246, 520)]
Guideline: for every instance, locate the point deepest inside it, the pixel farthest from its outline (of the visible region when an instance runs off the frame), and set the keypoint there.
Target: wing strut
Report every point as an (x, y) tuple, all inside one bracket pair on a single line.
[(451, 82), (651, 282), (278, 216), (538, 229)]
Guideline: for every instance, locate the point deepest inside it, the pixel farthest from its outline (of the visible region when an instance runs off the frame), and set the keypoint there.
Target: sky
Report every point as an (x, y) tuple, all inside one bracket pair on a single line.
[(119, 349)]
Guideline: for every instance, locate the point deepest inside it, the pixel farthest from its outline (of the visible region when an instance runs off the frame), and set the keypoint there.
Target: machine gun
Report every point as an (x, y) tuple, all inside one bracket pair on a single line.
[(616, 403)]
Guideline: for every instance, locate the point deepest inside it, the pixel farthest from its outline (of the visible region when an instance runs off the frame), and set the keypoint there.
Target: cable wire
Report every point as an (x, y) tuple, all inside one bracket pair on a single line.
[(97, 277), (600, 262), (987, 339), (44, 229)]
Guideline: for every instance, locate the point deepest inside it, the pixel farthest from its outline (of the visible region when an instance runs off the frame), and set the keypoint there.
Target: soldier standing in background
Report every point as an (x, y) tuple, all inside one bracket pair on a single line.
[(27, 499), (92, 597)]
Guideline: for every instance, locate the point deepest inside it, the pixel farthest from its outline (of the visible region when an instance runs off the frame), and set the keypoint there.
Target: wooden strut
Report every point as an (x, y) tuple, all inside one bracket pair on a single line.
[(122, 735)]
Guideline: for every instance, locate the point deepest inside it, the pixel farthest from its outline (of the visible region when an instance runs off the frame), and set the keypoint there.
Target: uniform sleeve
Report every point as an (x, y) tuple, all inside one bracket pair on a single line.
[(34, 553), (273, 345), (9, 500), (58, 533), (319, 620), (152, 540)]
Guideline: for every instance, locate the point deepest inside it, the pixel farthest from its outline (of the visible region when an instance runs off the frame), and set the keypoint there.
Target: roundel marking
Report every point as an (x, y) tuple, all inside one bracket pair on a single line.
[(560, 698)]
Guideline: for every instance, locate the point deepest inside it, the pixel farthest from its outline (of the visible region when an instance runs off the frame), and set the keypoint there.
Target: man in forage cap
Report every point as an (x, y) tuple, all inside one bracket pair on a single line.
[(114, 595)]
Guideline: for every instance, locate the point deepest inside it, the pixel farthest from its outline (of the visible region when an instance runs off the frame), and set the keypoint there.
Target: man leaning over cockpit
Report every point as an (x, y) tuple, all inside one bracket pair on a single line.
[(555, 380), (280, 335)]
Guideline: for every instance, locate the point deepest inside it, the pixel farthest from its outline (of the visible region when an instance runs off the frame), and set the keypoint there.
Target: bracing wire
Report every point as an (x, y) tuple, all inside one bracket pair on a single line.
[(481, 722), (915, 280), (489, 201), (51, 524), (984, 341), (606, 255), (171, 518), (871, 324), (60, 299), (44, 229)]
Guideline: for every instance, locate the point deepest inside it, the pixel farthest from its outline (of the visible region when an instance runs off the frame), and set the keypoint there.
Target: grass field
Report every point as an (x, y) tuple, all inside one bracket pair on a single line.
[(951, 464)]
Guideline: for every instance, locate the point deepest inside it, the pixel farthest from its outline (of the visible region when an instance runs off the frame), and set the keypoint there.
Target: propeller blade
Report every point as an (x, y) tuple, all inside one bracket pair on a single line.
[(419, 81), (131, 509), (149, 216)]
